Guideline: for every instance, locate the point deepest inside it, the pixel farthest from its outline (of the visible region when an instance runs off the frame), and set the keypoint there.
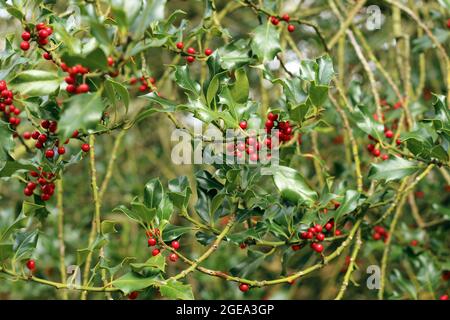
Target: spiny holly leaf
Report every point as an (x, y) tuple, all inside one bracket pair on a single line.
[(180, 191), (36, 83), (393, 169), (233, 55), (82, 111), (133, 282), (349, 204), (25, 243), (176, 290), (266, 42), (12, 167), (154, 264), (184, 80), (114, 89), (292, 185)]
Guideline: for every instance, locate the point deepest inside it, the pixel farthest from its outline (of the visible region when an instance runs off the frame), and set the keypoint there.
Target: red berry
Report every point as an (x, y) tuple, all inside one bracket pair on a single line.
[(318, 228), (61, 150), (26, 36), (49, 153), (75, 134), (25, 45), (31, 264), (320, 236), (175, 244), (414, 243), (110, 61), (85, 147), (83, 88), (133, 295), (45, 124), (271, 116), (190, 59), (151, 242), (337, 232), (286, 17), (384, 157), (244, 287), (42, 41), (376, 236), (448, 23), (317, 247), (208, 51), (49, 30), (328, 226), (398, 142), (180, 45), (291, 28), (28, 192), (26, 135), (370, 147), (243, 125), (40, 26), (71, 88), (173, 257), (296, 247), (42, 138), (445, 296), (376, 152), (389, 134), (31, 185), (155, 252), (43, 34), (190, 50), (243, 245), (133, 80)]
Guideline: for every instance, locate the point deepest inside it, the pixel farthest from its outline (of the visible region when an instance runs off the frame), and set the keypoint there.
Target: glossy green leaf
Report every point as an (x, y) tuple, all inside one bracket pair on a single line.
[(176, 290), (266, 42), (393, 169), (36, 83), (134, 282)]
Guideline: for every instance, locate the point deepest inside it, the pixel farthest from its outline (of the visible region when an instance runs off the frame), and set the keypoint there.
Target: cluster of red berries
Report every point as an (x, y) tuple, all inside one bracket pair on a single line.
[(75, 74), (380, 233), (147, 83), (251, 146), (43, 31), (49, 139), (191, 52), (376, 152), (276, 20), (151, 242), (316, 234), (44, 180), (10, 112), (285, 131)]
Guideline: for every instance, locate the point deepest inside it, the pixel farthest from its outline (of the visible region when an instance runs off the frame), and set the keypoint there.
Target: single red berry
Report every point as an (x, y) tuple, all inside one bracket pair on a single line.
[(173, 257), (320, 236), (328, 226), (26, 36), (180, 45), (43, 34), (151, 242), (318, 228), (40, 26), (443, 297), (133, 295), (31, 264), (110, 61), (31, 185), (376, 152), (28, 192), (414, 243), (269, 124), (175, 244), (85, 147), (337, 232), (49, 30), (398, 142), (155, 252), (448, 23), (26, 135), (53, 126), (133, 80), (296, 247), (42, 138), (286, 17), (190, 50), (208, 51), (42, 41), (272, 116), (75, 134), (376, 236), (25, 45), (45, 124), (61, 150), (317, 247), (243, 125), (71, 88), (190, 59), (389, 134), (243, 245), (47, 56), (49, 153), (244, 287), (83, 88), (384, 157), (291, 28)]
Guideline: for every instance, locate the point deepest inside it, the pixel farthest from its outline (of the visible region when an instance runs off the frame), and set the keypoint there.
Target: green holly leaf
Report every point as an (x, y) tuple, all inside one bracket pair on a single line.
[(82, 111), (266, 42), (176, 290), (292, 185), (154, 264), (25, 243), (113, 89), (36, 83), (393, 169), (134, 282), (180, 191)]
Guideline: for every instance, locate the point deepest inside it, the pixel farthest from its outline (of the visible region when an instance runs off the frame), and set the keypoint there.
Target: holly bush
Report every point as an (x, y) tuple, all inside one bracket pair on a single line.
[(339, 186)]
